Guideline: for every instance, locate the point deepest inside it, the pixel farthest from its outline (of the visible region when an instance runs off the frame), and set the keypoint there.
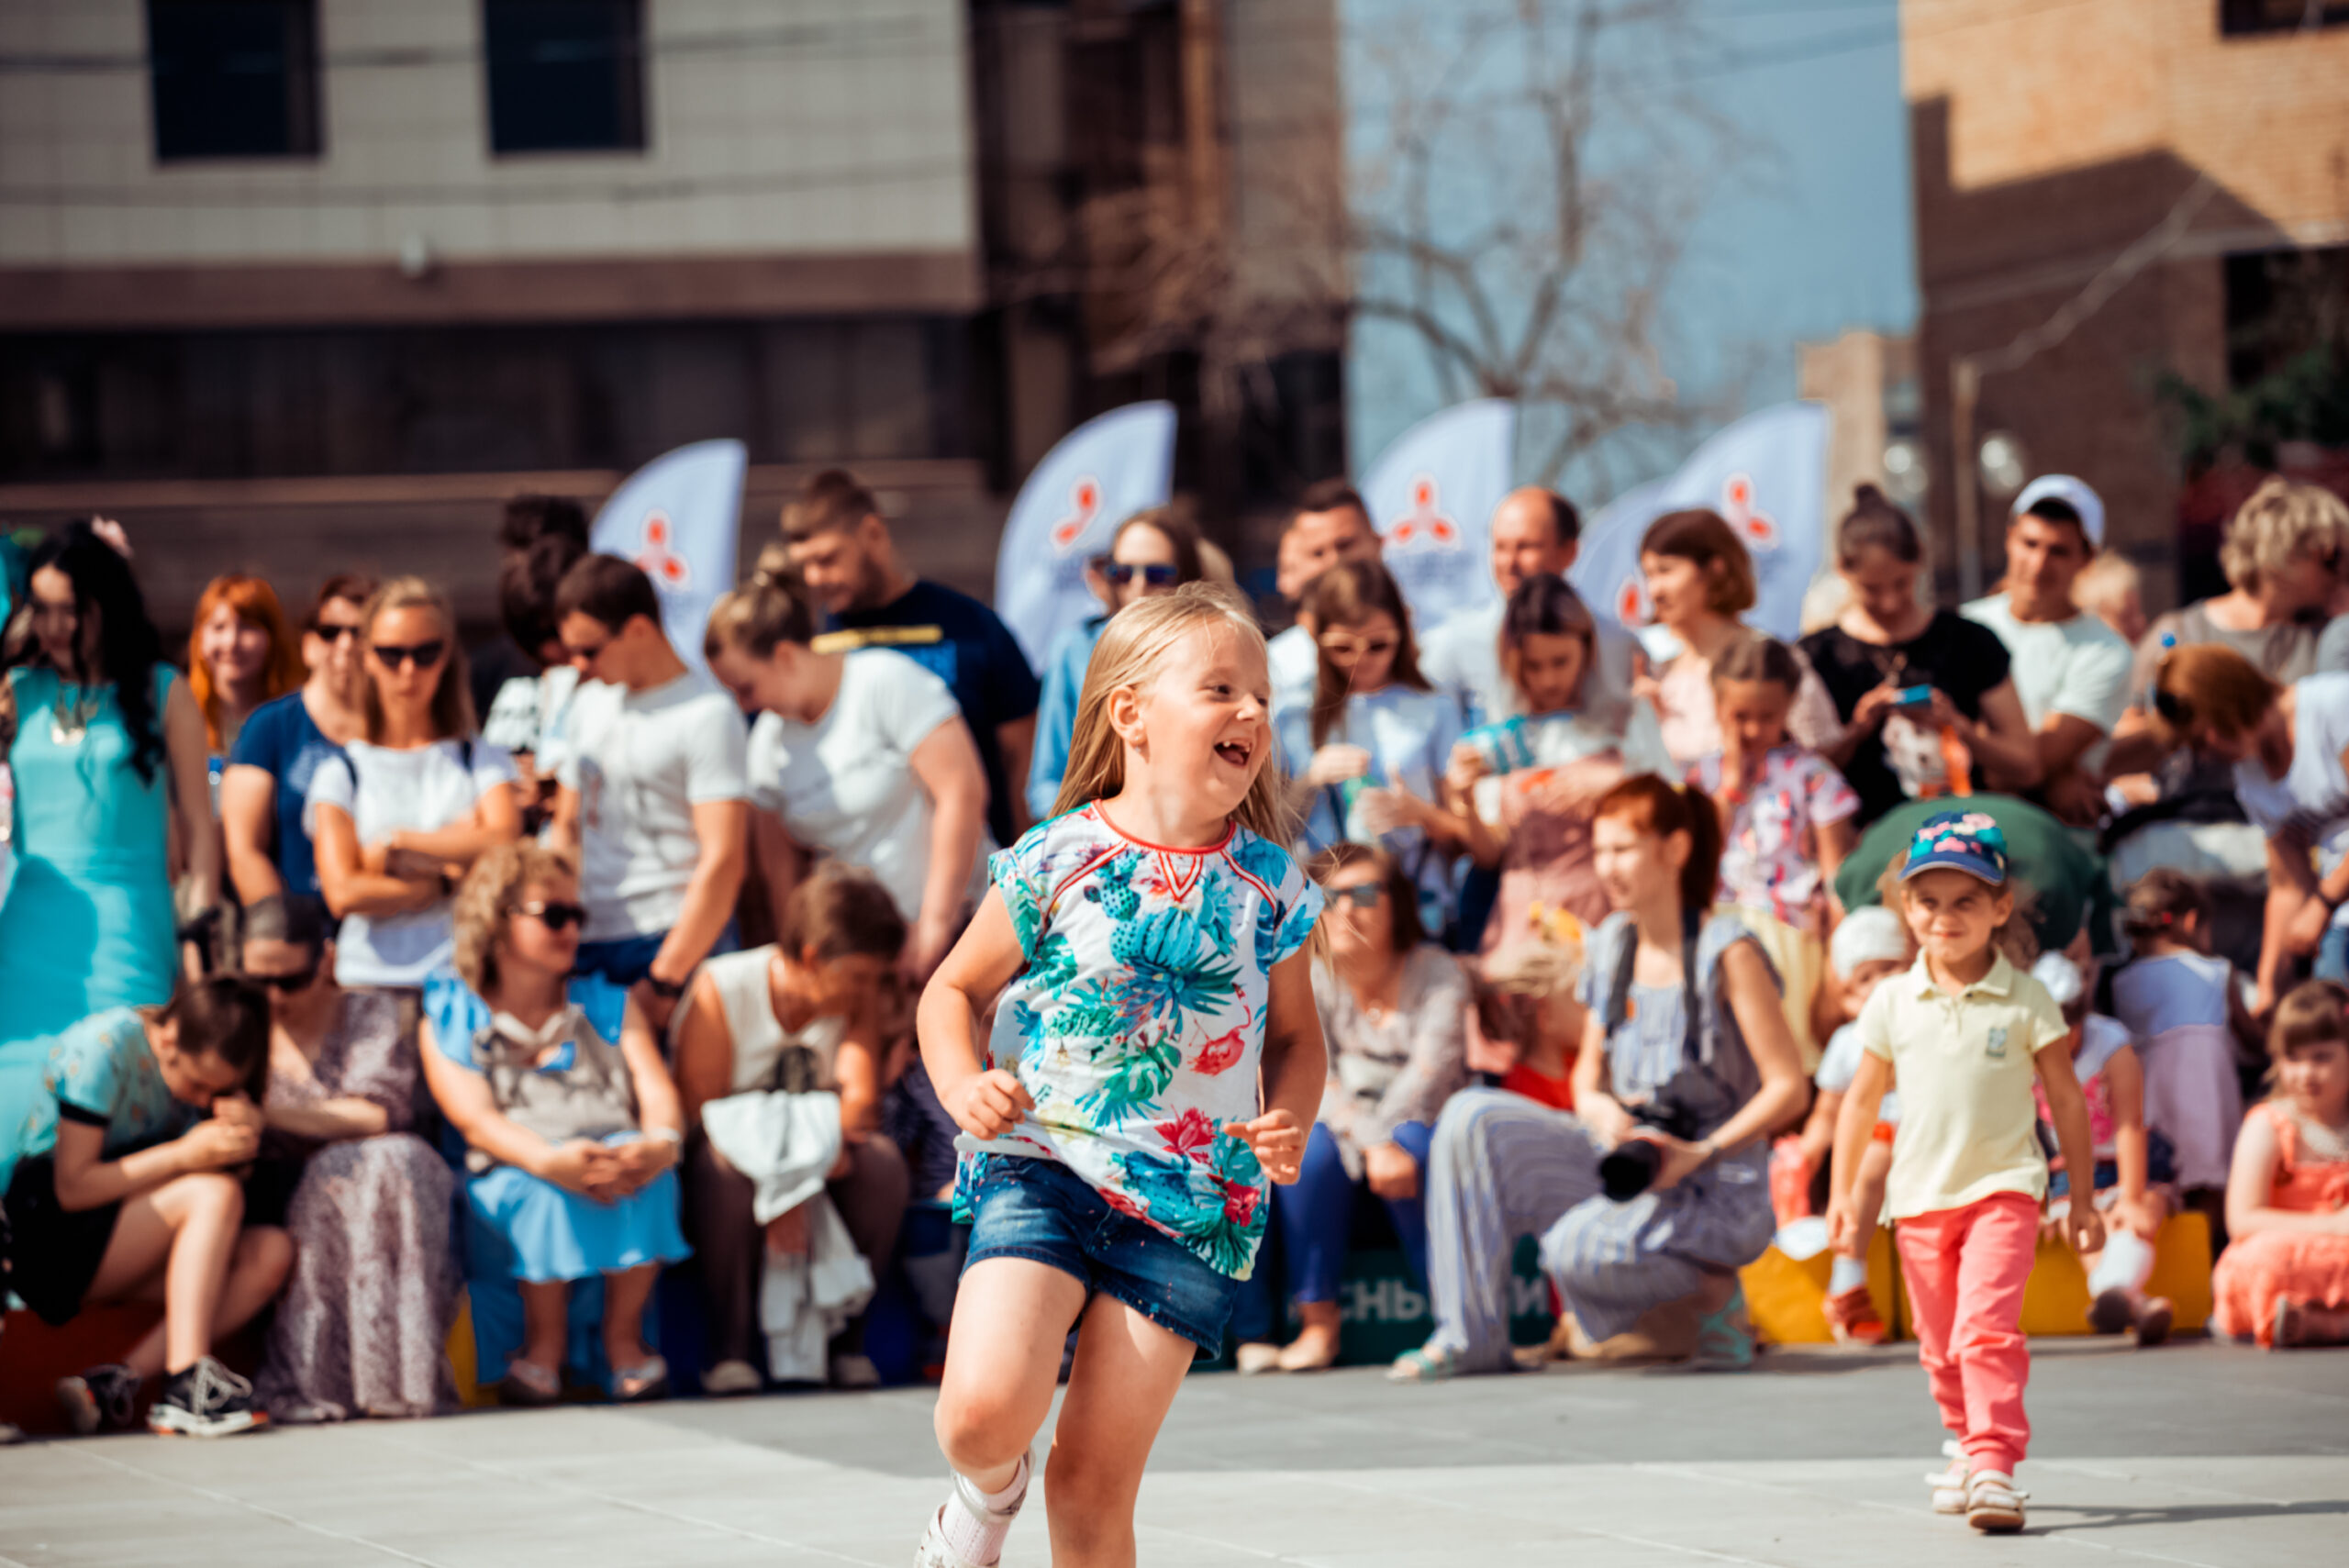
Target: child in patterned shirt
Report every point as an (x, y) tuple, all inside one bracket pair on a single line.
[(1147, 943)]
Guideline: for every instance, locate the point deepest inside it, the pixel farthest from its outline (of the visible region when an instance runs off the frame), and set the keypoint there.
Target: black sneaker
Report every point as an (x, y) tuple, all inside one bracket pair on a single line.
[(207, 1400), (102, 1399)]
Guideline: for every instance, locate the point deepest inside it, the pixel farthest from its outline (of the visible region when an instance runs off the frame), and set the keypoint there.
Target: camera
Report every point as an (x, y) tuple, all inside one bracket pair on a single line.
[(1630, 1168)]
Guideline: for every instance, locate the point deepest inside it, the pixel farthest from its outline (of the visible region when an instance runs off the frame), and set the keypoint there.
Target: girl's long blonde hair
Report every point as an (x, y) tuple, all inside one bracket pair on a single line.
[(1132, 653)]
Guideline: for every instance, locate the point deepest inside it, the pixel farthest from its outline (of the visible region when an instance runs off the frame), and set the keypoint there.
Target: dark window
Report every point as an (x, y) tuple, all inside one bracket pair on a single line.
[(566, 75), (2279, 16), (234, 78)]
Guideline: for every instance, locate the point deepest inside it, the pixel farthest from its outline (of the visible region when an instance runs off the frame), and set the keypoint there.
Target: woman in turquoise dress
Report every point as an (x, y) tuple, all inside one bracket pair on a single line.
[(104, 742)]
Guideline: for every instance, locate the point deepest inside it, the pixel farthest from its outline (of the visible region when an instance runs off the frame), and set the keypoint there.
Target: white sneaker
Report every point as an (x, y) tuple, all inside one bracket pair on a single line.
[(935, 1551), (1992, 1504)]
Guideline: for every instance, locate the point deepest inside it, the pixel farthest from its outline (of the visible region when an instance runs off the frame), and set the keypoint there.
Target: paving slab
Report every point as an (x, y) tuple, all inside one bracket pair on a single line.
[(2196, 1454)]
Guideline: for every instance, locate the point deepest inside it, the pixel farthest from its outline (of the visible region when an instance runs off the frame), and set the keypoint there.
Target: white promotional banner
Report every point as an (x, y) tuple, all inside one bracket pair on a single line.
[(1767, 475), (1431, 495), (678, 518), (1102, 473)]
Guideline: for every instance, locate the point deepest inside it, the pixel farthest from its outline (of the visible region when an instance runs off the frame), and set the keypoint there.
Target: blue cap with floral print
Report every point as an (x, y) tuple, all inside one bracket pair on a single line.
[(1959, 841)]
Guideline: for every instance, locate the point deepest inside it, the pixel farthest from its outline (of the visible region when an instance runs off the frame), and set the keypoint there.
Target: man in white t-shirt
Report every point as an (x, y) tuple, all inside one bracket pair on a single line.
[(654, 791), (2070, 669), (1332, 526), (1534, 532)]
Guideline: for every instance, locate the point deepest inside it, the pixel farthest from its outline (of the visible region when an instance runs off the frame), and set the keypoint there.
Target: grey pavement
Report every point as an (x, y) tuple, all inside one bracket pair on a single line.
[(2195, 1453)]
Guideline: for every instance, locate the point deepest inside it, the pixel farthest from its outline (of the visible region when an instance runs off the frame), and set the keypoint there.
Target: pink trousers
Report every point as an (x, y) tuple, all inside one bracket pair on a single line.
[(1966, 1270)]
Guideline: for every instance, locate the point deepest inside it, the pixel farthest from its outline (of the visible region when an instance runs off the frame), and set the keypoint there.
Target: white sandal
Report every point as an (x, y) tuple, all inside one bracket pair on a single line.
[(1949, 1485), (1993, 1506)]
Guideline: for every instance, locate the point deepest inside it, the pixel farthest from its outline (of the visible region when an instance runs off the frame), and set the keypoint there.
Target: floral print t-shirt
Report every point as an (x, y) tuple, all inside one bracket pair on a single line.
[(101, 1072), (1767, 859), (1138, 1023)]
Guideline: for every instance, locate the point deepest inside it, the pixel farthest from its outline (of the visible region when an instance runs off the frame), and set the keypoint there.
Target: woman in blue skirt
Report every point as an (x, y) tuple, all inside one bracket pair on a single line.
[(572, 1141)]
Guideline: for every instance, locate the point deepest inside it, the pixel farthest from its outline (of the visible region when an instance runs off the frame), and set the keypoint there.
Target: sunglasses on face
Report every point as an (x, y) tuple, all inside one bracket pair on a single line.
[(554, 915), (423, 655), (300, 980), (1338, 648), (336, 631), (1364, 895), (1157, 574)]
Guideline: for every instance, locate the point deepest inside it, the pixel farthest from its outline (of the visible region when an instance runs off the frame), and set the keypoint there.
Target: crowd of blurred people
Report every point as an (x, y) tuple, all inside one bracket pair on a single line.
[(345, 975)]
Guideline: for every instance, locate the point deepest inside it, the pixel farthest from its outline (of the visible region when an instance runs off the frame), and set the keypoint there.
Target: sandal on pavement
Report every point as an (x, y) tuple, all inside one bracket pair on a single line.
[(530, 1385), (1853, 1318), (1724, 1343), (1949, 1485), (1426, 1364), (1294, 1357), (1992, 1504), (2154, 1320), (1256, 1357), (2288, 1329), (646, 1381)]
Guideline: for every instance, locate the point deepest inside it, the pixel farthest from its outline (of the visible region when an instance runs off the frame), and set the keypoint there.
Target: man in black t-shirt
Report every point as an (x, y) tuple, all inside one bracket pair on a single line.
[(841, 549)]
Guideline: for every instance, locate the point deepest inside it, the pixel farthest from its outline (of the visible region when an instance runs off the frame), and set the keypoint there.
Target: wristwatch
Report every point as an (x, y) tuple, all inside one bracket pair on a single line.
[(667, 990)]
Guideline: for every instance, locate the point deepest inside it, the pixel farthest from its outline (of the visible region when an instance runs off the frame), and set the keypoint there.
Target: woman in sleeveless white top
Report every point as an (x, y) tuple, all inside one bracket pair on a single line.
[(729, 1040), (744, 985)]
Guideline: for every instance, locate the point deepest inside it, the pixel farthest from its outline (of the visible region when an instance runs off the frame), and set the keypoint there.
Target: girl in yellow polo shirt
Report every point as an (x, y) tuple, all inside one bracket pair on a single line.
[(1966, 1033)]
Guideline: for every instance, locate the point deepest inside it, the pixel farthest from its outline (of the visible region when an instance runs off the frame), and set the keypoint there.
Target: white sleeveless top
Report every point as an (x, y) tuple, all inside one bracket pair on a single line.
[(760, 1041)]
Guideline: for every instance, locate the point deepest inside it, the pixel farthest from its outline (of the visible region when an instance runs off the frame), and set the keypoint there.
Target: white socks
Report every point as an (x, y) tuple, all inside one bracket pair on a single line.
[(974, 1523), (2127, 1263), (1846, 1273)]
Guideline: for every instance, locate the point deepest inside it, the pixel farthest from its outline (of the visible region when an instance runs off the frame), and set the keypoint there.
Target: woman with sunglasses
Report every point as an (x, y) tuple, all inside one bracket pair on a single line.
[(571, 1140), (416, 799), (1152, 552), (281, 746), (1369, 750), (107, 748), (1393, 1010), (366, 1313)]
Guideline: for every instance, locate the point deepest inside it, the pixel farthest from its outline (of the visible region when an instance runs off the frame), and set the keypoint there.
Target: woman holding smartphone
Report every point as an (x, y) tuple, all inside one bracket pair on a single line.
[(1927, 704)]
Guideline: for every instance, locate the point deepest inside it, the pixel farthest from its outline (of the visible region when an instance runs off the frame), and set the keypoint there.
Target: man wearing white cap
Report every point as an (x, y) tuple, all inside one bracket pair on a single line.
[(2070, 669)]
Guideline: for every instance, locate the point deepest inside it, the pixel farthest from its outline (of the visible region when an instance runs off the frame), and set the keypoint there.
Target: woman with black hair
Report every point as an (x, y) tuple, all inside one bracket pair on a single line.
[(108, 745)]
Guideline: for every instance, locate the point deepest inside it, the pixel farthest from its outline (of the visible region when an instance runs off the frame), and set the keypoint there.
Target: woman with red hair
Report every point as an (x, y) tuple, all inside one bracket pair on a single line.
[(240, 655)]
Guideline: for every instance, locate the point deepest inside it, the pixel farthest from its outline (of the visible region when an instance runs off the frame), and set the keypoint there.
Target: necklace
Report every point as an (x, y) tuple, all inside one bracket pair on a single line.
[(69, 721)]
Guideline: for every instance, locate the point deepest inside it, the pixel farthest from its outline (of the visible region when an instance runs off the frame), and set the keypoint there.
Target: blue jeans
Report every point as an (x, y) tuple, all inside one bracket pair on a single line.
[(1316, 1213), (2332, 954), (624, 960), (1044, 1212)]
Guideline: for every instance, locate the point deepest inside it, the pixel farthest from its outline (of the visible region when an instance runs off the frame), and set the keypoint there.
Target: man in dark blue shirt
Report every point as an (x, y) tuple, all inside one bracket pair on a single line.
[(841, 549)]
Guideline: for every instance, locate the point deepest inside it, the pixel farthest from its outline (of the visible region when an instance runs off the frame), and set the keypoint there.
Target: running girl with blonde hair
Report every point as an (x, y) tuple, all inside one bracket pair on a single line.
[(1147, 943)]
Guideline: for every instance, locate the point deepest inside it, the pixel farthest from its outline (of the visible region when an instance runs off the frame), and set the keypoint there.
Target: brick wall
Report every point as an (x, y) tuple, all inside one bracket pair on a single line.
[(2047, 140)]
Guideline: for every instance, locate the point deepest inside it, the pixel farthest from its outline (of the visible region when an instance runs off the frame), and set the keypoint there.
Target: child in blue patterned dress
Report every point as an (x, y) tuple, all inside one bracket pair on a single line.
[(1147, 946)]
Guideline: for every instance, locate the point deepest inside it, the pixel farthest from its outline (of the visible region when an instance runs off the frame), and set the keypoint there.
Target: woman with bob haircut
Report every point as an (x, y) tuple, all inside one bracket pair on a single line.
[(1699, 580)]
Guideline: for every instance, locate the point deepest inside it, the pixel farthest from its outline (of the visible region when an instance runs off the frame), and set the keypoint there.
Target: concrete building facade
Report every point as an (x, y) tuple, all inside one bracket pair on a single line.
[(295, 283)]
